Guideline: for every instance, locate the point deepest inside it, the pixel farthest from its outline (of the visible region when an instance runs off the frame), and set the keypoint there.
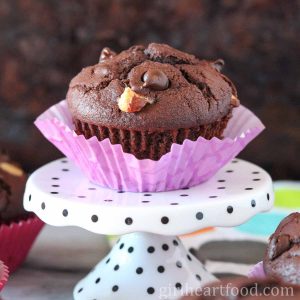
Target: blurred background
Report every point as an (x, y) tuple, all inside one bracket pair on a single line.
[(44, 43)]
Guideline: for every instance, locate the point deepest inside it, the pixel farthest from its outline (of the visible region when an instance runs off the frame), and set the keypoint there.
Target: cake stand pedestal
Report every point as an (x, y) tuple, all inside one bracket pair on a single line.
[(149, 261)]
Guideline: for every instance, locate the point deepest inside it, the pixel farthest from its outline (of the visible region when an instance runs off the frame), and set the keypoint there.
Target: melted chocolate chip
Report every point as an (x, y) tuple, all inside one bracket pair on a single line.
[(280, 245), (106, 54), (156, 80), (218, 64)]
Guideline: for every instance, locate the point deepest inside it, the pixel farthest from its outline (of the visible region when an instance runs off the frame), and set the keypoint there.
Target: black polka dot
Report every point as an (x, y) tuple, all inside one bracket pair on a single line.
[(234, 161), (253, 203), (175, 243), (186, 188), (120, 192), (145, 201), (91, 188), (199, 215), (160, 269), (248, 189), (255, 172), (29, 198), (221, 187), (43, 205), (150, 291), (256, 179), (80, 290), (268, 196), (108, 200), (221, 180), (115, 288), (97, 280), (65, 170), (178, 264), (121, 246), (151, 249), (64, 161), (139, 271), (116, 268), (178, 286), (213, 196), (55, 185), (189, 257), (65, 213), (184, 195), (147, 195), (174, 203), (198, 277), (128, 221), (81, 196), (165, 247), (229, 171), (94, 218), (130, 249), (55, 178), (230, 209), (107, 261), (165, 220), (54, 193)]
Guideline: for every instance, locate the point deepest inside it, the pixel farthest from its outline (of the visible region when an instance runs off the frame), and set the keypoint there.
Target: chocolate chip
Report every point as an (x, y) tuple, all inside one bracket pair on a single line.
[(156, 80), (279, 245), (218, 64), (106, 54)]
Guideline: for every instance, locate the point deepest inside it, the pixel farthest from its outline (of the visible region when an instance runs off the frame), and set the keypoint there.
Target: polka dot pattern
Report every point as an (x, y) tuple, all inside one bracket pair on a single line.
[(155, 262), (61, 195), (68, 198)]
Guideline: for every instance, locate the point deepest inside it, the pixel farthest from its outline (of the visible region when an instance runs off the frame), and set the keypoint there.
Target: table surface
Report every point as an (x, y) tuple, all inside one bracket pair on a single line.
[(58, 260)]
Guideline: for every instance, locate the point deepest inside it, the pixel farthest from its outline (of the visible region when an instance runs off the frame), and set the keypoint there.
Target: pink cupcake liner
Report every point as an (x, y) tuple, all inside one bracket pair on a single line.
[(16, 240), (4, 274), (257, 271), (185, 165)]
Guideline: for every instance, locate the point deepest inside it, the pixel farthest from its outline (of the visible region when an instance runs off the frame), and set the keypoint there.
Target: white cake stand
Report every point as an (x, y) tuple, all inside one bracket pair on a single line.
[(149, 261)]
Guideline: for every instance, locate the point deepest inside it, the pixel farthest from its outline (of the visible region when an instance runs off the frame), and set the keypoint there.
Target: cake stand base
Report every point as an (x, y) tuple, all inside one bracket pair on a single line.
[(144, 266)]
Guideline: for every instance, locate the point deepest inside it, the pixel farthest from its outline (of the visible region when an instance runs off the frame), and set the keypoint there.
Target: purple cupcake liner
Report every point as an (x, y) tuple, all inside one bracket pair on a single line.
[(184, 166), (257, 271)]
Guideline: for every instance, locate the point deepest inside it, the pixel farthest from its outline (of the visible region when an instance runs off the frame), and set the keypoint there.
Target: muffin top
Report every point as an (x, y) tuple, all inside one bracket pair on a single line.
[(12, 186), (154, 87), (246, 288), (282, 259)]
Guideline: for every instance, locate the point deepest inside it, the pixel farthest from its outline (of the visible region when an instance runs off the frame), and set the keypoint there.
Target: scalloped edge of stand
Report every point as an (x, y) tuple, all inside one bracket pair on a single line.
[(239, 191)]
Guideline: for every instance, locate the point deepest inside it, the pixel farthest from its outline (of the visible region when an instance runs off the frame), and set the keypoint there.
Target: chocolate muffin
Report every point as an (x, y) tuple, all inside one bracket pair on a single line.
[(12, 186), (282, 259), (147, 98), (245, 288)]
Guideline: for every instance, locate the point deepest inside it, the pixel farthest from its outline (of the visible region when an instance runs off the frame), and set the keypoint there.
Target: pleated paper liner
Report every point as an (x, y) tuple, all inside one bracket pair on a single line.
[(257, 271), (16, 240), (184, 166), (4, 274)]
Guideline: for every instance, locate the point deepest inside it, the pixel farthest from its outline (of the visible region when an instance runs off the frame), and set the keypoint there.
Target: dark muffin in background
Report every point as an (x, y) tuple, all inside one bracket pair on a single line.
[(282, 259), (147, 98), (12, 186), (247, 288)]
